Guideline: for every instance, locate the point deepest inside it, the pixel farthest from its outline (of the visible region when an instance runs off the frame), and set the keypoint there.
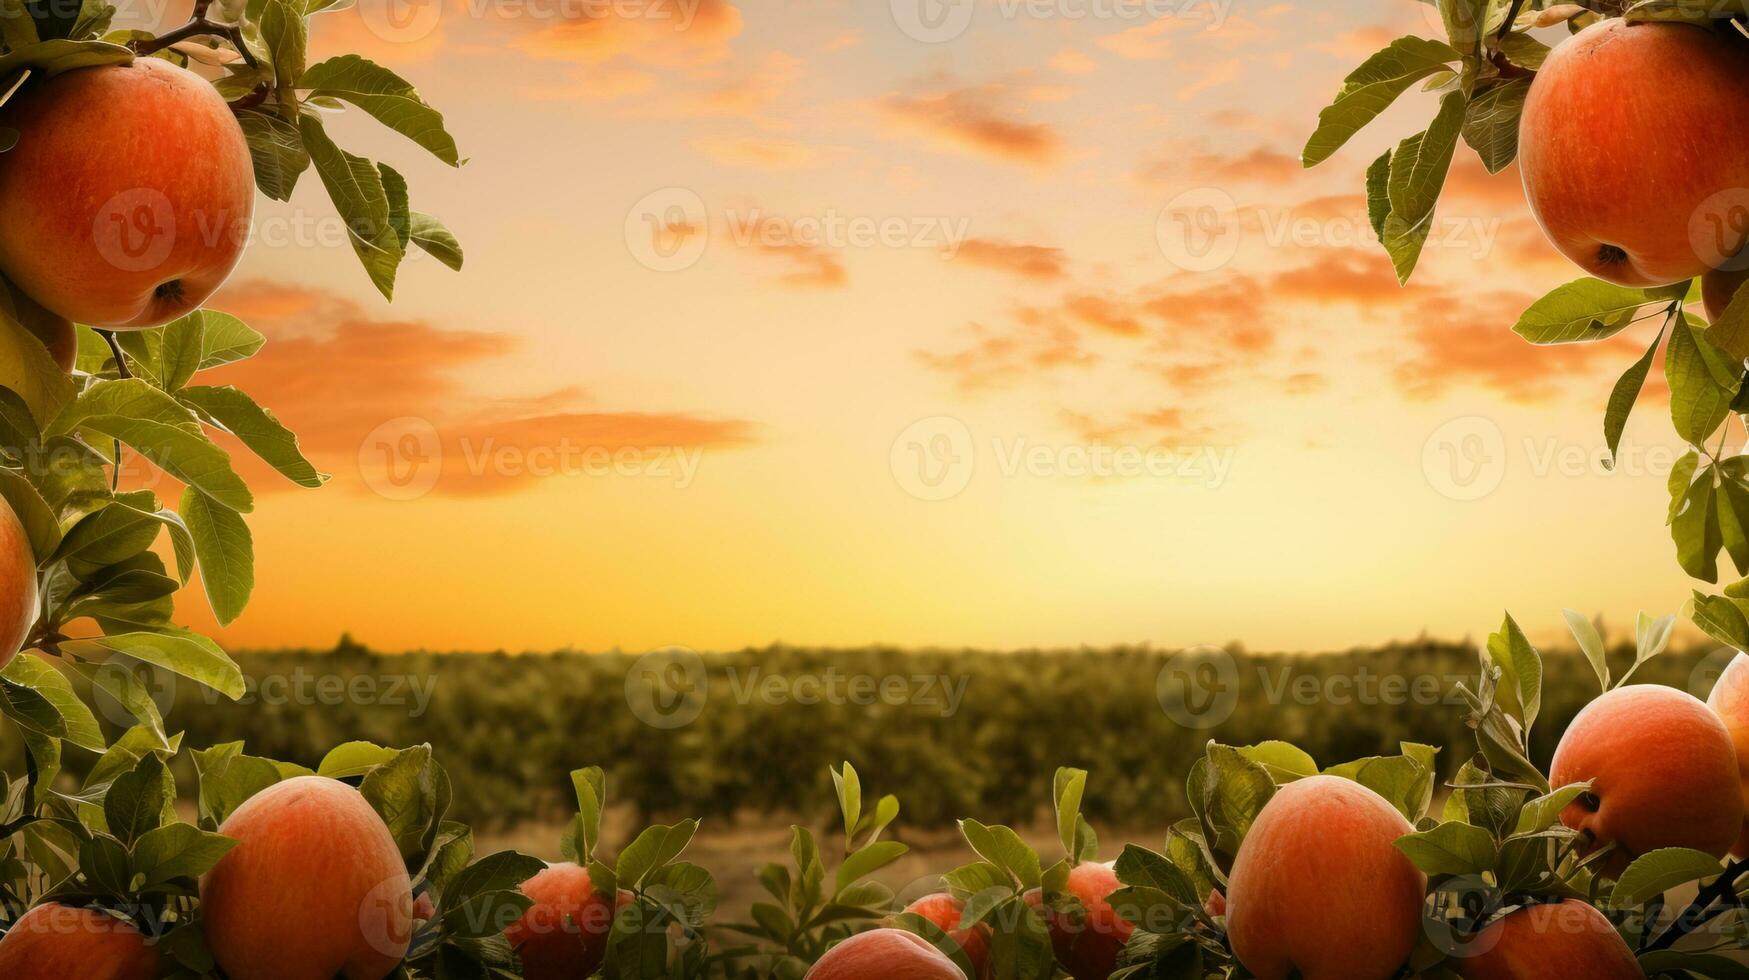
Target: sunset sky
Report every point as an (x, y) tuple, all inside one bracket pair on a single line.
[(800, 268)]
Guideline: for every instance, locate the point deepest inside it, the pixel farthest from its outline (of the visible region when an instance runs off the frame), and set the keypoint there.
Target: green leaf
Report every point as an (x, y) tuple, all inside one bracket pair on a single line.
[(1524, 50), (652, 849), (78, 725), (1284, 761), (1656, 872), (177, 850), (53, 56), (1581, 310), (437, 240), (226, 339), (105, 537), (27, 370), (138, 800), (1722, 618), (404, 791), (1418, 169), (1590, 644), (356, 187), (277, 150), (1624, 395), (1371, 88), (226, 552), (1543, 812), (1491, 123), (33, 512), (257, 428), (1696, 530), (184, 653), (849, 787), (867, 861), (286, 36), (1702, 384), (188, 456), (180, 351), (1521, 680), (1071, 785), (1450, 849), (133, 398), (386, 97)]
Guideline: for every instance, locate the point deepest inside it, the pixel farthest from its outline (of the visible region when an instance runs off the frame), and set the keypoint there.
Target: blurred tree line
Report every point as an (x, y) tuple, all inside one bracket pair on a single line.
[(951, 733)]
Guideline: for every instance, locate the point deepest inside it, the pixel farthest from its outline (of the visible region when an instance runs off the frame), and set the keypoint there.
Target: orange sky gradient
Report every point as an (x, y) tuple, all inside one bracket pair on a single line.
[(749, 285)]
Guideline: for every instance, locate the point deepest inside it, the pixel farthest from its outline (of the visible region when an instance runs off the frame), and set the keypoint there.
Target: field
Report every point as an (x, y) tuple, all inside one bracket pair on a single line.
[(952, 734)]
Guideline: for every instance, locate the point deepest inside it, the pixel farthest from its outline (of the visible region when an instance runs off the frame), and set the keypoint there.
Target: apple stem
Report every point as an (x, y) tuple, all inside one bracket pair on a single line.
[(1722, 892), (199, 25)]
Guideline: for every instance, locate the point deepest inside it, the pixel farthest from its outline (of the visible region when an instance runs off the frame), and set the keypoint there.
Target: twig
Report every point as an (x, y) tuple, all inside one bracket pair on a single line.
[(121, 370), (199, 25), (1701, 911)]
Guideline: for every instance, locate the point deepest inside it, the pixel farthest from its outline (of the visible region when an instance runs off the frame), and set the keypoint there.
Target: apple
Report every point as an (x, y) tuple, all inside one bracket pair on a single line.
[(1550, 942), (564, 934), (55, 942), (1634, 150), (1319, 890), (18, 587), (315, 887), (1087, 943), (128, 198), (1662, 773), (1719, 285), (885, 954), (1730, 701), (946, 911)]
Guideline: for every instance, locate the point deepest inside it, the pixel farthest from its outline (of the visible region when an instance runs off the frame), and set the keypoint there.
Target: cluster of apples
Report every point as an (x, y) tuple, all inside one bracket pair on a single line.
[(1319, 890), (1634, 151), (126, 202), (315, 889)]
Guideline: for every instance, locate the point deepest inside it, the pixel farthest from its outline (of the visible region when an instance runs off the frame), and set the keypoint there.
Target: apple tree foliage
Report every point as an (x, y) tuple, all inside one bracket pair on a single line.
[(1481, 71)]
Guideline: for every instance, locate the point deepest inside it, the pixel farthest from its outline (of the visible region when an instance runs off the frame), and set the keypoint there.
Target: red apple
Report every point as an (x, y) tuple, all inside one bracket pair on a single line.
[(128, 198), (1319, 890), (564, 934), (1663, 773), (315, 888), (1718, 286), (885, 954), (1087, 944), (1550, 942), (54, 942), (1634, 148), (18, 592), (946, 911)]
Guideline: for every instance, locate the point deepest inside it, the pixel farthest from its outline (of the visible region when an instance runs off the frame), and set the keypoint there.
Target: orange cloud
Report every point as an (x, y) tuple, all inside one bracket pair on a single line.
[(654, 32), (1026, 261), (979, 119), (337, 384)]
